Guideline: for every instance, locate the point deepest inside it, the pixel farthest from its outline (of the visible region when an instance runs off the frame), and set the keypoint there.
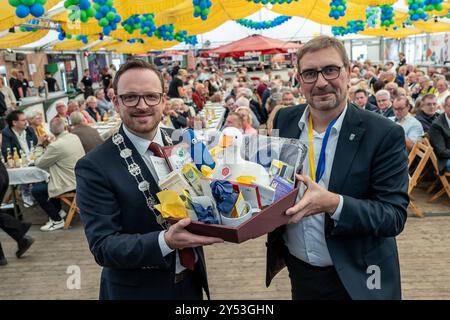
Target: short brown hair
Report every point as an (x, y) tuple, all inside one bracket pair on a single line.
[(406, 101), (136, 64), (323, 42)]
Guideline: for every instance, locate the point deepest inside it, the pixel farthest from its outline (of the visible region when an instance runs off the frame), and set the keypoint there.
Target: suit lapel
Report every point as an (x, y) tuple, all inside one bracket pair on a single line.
[(347, 146), (348, 143)]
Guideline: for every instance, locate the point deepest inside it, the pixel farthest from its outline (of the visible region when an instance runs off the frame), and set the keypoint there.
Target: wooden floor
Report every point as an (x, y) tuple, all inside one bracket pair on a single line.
[(235, 271)]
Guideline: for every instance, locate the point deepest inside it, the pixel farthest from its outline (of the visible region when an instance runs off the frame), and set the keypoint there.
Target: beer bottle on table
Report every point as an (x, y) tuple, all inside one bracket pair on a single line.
[(16, 158), (9, 158)]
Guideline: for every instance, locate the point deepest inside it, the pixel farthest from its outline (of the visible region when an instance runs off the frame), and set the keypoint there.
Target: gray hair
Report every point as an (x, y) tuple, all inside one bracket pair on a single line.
[(246, 92), (243, 102), (57, 125), (76, 118), (383, 93)]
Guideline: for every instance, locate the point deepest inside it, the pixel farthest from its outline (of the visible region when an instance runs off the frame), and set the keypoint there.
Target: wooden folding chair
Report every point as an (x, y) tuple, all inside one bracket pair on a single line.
[(422, 151), (444, 179), (70, 198)]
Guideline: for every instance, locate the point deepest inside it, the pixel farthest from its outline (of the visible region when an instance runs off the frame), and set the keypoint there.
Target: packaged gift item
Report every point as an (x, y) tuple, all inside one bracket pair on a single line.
[(176, 181), (177, 156), (197, 149), (193, 176), (282, 187), (282, 169)]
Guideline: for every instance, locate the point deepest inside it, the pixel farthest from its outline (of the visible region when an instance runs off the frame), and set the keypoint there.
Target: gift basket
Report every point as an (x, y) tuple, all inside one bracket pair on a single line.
[(233, 186)]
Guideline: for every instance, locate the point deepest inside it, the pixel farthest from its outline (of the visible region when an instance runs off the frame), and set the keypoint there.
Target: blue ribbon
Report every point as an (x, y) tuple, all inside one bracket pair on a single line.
[(321, 165)]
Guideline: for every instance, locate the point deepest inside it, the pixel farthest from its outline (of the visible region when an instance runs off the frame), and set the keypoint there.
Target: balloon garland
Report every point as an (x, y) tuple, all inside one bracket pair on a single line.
[(166, 33), (63, 35), (202, 8), (82, 38), (372, 14), (132, 23), (79, 9), (146, 24), (27, 7), (387, 15), (106, 15), (337, 9), (431, 5), (137, 40), (353, 26), (416, 10), (263, 24)]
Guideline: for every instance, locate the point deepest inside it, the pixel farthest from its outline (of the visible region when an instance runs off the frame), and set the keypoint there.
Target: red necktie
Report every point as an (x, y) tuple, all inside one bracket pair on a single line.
[(187, 255), (187, 258), (156, 149)]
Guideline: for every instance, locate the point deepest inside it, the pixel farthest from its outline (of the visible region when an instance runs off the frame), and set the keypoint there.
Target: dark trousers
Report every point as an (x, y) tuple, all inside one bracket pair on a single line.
[(51, 206), (314, 283), (13, 227)]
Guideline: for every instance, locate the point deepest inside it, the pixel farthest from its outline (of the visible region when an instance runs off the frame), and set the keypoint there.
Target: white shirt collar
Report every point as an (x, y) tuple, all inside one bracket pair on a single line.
[(336, 127), (142, 144), (448, 120), (21, 135)]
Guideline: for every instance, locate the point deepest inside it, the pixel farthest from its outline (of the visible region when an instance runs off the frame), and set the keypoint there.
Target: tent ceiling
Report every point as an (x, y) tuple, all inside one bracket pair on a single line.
[(180, 13)]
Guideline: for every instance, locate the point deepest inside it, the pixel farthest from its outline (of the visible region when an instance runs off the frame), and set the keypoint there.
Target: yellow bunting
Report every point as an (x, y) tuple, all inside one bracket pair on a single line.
[(171, 205)]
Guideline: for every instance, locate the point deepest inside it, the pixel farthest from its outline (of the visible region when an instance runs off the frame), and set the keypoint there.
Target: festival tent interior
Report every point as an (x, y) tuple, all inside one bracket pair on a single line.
[(141, 26)]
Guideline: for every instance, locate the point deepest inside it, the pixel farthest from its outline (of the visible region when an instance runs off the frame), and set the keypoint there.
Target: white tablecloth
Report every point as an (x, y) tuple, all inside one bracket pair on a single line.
[(27, 175)]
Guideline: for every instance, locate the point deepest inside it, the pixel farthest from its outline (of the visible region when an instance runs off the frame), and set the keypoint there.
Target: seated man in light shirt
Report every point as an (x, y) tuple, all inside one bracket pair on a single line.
[(413, 128)]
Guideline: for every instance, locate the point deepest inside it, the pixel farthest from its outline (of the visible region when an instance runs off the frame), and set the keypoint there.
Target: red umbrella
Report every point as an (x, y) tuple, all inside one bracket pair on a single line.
[(255, 44)]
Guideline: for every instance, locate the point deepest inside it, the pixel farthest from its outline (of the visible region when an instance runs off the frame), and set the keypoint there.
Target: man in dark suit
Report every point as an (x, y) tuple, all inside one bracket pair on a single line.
[(116, 192), (340, 242), (439, 134), (384, 103), (14, 228), (362, 100), (17, 134)]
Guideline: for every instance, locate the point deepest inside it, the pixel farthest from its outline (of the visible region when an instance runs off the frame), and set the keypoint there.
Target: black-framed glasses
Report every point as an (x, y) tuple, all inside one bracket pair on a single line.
[(328, 73), (131, 100)]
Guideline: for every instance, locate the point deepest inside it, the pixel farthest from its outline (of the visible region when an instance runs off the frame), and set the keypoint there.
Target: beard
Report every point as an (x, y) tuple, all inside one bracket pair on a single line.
[(326, 99), (141, 123)]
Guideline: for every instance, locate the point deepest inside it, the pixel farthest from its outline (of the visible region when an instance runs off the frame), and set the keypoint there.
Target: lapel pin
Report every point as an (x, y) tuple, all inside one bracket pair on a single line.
[(352, 136)]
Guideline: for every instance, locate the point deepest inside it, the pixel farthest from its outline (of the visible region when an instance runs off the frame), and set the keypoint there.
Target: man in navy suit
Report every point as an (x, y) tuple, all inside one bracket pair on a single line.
[(116, 192), (18, 134), (340, 242)]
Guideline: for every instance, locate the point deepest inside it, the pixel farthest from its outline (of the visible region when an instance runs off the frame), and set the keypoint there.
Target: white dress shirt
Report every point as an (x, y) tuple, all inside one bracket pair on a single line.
[(141, 146), (412, 127), (306, 239), (22, 140), (448, 120)]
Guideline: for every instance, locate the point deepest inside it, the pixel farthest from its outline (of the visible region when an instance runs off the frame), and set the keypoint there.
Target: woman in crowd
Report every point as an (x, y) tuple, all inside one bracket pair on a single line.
[(92, 109), (247, 123), (82, 108), (36, 121)]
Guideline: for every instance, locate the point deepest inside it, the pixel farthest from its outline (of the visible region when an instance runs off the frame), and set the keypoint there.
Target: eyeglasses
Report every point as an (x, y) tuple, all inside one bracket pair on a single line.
[(399, 109), (131, 100), (328, 73)]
